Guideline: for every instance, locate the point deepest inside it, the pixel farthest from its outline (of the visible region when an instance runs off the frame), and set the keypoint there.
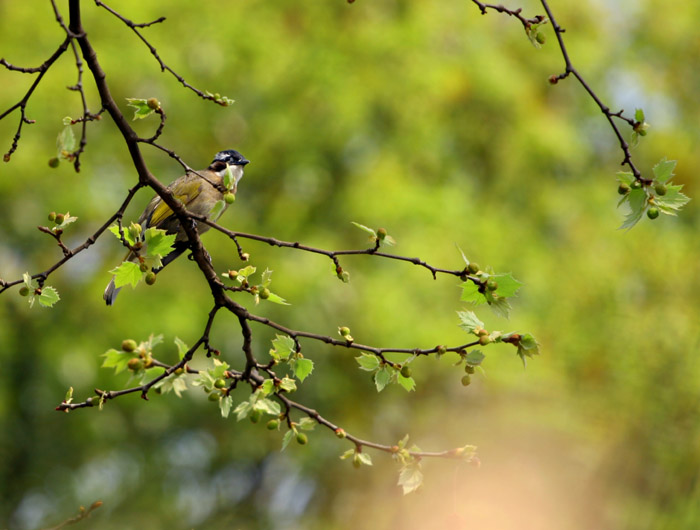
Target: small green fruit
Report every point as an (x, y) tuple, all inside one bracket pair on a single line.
[(484, 340), (153, 103), (623, 188), (473, 268), (150, 278), (273, 424), (53, 162), (129, 345), (214, 396), (24, 291), (661, 189), (340, 433), (469, 368), (264, 293), (220, 383), (466, 380), (52, 216), (636, 185), (381, 233), (255, 416), (406, 371), (653, 212), (302, 439), (540, 37), (60, 218), (344, 331), (134, 364), (143, 267), (229, 197), (492, 285)]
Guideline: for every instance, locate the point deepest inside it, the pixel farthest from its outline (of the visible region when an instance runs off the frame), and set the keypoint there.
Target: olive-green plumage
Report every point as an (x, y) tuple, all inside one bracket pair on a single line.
[(199, 192)]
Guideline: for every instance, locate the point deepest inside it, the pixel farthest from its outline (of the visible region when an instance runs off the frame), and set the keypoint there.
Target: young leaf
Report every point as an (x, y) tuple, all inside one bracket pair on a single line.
[(287, 438), (288, 385), (267, 406), (410, 478), (141, 106), (507, 285), (636, 201), (49, 296), (217, 210), (382, 378), (673, 201), (302, 368), (159, 243), (639, 115), (364, 458), (471, 294), (663, 171), (306, 424), (469, 321), (276, 299), (474, 358), (368, 362), (365, 229), (243, 410), (282, 347), (174, 383), (182, 348), (127, 273), (268, 387), (225, 404), (115, 359), (408, 383), (127, 235), (229, 179)]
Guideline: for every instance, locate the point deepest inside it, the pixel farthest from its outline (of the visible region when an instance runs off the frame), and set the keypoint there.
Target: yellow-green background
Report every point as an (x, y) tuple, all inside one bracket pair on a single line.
[(423, 117)]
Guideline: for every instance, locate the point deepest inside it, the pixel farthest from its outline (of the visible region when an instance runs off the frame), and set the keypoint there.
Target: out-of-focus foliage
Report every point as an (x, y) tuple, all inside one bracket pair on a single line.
[(426, 118)]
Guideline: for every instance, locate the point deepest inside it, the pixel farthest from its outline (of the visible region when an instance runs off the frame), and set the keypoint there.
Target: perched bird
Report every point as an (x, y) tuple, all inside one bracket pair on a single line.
[(199, 192)]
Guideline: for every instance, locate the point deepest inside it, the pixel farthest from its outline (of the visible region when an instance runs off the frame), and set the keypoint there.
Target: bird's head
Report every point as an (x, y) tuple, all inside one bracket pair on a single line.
[(230, 157)]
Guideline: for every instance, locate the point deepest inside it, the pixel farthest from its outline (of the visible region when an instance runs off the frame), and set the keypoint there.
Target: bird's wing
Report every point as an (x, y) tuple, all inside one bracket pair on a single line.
[(186, 193)]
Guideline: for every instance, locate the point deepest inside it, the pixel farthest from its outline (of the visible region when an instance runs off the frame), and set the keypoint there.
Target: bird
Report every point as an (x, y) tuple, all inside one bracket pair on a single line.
[(199, 191)]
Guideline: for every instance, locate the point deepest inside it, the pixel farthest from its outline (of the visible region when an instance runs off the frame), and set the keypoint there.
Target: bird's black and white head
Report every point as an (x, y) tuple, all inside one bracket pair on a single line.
[(229, 158)]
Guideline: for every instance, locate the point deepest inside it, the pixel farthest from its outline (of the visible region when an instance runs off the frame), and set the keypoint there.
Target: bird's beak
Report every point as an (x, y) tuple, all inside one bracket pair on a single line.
[(243, 162)]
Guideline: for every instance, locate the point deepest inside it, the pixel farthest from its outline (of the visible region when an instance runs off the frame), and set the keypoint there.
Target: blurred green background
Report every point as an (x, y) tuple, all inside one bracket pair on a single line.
[(439, 124)]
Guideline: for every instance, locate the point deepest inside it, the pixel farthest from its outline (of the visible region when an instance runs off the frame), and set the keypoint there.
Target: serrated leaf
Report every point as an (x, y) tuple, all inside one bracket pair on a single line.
[(266, 278), (246, 271), (364, 458), (474, 357), (243, 410), (302, 368), (625, 177), (663, 171), (282, 347), (128, 273), (225, 404), (382, 378), (174, 383), (28, 282), (267, 387), (307, 424), (507, 285), (365, 229), (276, 299), (115, 359), (673, 201), (141, 106), (287, 438), (410, 478), (219, 370), (499, 305), (471, 294), (49, 296), (127, 236), (267, 406), (368, 362), (469, 321), (158, 242), (636, 202), (288, 385), (408, 383)]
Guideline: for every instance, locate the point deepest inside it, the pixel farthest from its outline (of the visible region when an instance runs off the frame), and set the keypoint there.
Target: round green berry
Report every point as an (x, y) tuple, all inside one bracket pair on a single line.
[(302, 439), (540, 37), (406, 371), (229, 197), (653, 212), (469, 368), (24, 291), (344, 331), (52, 217), (150, 278), (214, 396), (623, 188), (272, 424), (129, 345), (60, 218), (143, 267), (264, 293), (53, 162), (220, 383), (381, 233), (473, 268), (660, 189), (492, 285), (255, 416), (466, 380), (484, 340)]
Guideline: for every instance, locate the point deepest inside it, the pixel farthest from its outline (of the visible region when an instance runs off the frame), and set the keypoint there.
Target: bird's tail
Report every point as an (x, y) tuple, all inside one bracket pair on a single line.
[(111, 293)]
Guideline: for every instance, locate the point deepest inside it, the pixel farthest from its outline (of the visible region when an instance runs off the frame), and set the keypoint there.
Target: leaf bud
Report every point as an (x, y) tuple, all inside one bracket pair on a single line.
[(340, 433), (473, 268), (245, 256), (60, 218), (381, 233), (441, 349), (344, 331), (129, 345), (153, 103), (623, 188)]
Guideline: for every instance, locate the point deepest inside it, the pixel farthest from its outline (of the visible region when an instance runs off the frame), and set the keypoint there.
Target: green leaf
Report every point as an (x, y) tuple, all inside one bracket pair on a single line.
[(365, 229), (266, 278), (474, 357), (288, 385), (471, 294), (246, 271), (368, 362), (243, 410), (673, 201), (141, 106), (507, 285), (347, 454), (182, 348), (69, 395), (282, 347), (267, 406), (174, 383), (636, 202), (127, 236), (127, 273), (49, 296), (287, 438), (217, 210), (663, 171), (639, 115), (499, 305), (410, 478), (219, 369), (115, 359), (364, 458), (225, 404), (625, 177), (267, 387), (229, 179), (527, 347), (302, 368), (65, 142), (159, 242), (276, 299), (382, 378), (306, 424), (469, 321), (407, 382)]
